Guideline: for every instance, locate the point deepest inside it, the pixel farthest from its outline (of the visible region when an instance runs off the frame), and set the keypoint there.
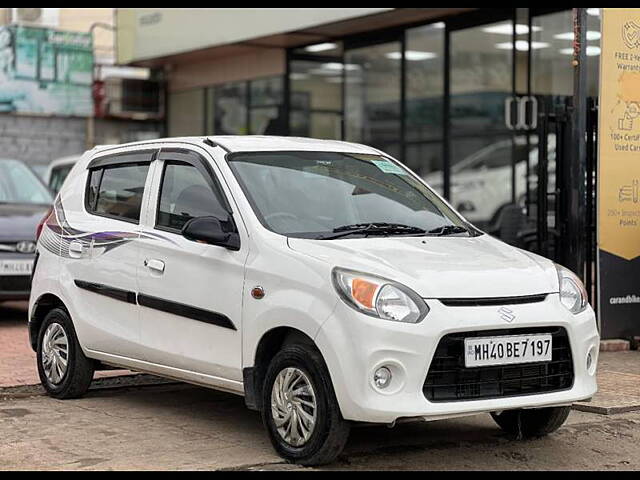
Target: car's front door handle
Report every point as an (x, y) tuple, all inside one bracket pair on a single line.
[(154, 264)]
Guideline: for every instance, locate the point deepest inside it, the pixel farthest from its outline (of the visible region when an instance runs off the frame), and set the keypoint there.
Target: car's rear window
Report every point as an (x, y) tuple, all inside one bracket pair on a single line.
[(116, 191)]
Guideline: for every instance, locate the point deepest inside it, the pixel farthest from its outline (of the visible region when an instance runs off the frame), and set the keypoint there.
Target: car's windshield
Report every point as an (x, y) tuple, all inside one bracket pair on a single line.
[(18, 184), (314, 194)]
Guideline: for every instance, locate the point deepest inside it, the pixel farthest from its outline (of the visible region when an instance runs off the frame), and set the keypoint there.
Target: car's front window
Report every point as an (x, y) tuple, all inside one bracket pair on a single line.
[(18, 184), (319, 194)]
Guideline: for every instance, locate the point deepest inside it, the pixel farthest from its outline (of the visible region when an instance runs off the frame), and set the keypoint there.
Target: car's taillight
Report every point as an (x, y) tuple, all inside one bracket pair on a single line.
[(42, 222)]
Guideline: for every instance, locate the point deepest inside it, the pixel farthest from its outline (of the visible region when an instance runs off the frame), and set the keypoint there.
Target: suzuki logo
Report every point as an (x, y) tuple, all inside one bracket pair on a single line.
[(506, 314)]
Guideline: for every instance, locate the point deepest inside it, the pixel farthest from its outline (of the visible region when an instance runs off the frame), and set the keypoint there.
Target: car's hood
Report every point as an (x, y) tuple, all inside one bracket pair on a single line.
[(441, 267), (19, 221)]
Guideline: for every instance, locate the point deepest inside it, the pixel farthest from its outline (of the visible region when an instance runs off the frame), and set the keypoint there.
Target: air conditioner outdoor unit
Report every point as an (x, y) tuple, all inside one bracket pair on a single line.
[(129, 98)]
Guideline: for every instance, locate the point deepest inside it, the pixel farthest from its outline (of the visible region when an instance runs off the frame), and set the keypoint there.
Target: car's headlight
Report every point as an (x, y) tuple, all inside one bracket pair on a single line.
[(572, 292), (379, 297)]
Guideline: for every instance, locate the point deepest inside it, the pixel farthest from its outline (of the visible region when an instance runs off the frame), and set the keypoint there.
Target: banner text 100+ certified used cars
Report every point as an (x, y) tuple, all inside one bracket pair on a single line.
[(321, 280)]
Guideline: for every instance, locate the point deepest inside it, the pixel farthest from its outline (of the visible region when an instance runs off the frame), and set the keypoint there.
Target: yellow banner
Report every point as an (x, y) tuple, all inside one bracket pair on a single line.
[(619, 133)]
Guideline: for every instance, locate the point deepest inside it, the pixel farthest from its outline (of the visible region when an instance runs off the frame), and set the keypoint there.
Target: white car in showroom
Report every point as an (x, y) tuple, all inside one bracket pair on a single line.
[(321, 280), (481, 182)]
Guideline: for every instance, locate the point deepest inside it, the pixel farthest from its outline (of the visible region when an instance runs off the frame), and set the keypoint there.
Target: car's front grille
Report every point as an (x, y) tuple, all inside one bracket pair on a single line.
[(449, 380), (15, 283)]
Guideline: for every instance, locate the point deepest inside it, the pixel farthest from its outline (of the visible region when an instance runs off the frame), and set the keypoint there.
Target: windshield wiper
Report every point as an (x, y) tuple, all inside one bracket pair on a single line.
[(448, 230), (376, 228)]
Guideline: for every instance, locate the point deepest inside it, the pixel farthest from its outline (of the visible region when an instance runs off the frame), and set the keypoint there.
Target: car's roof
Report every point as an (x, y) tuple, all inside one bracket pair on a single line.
[(252, 143), (257, 143), (65, 160)]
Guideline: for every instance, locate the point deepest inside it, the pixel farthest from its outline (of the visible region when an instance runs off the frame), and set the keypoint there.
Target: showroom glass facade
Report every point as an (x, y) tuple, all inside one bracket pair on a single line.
[(441, 97)]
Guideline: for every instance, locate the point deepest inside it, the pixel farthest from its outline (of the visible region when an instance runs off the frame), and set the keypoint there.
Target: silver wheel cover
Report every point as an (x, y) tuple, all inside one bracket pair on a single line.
[(293, 406), (55, 353)]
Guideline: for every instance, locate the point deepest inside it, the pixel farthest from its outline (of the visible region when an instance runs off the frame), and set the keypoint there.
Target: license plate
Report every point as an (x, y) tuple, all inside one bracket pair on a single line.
[(506, 350), (15, 267)]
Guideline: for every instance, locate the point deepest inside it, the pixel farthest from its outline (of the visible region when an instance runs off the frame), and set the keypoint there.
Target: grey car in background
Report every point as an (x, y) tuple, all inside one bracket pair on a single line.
[(24, 201)]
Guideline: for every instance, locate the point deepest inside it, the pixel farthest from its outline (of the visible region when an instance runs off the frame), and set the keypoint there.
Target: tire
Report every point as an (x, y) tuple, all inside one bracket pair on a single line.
[(77, 375), (329, 435), (528, 423)]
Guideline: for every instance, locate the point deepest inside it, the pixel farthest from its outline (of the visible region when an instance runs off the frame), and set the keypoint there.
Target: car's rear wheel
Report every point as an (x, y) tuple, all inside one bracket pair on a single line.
[(527, 423), (63, 369), (300, 410)]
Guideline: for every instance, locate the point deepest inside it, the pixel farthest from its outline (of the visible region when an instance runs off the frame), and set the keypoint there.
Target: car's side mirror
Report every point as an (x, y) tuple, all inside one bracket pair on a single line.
[(213, 231)]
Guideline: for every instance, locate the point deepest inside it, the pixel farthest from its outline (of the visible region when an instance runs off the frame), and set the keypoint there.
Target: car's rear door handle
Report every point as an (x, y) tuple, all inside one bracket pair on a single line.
[(154, 264), (75, 249)]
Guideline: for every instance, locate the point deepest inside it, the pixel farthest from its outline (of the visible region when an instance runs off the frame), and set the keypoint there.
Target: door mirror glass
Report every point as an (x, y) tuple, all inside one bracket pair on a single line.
[(213, 231)]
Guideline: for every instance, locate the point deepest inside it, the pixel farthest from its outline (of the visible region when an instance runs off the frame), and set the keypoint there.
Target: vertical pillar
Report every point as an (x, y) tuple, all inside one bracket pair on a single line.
[(575, 180)]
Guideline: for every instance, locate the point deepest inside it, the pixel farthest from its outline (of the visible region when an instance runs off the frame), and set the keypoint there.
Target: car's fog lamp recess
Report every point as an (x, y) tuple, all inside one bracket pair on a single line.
[(590, 362), (382, 377)]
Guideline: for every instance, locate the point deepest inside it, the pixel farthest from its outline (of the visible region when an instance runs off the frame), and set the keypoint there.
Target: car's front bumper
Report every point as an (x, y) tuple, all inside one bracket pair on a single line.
[(355, 345)]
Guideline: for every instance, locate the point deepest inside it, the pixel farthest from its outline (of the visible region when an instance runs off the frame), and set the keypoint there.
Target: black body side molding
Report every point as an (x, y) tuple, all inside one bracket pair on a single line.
[(187, 311), (112, 292)]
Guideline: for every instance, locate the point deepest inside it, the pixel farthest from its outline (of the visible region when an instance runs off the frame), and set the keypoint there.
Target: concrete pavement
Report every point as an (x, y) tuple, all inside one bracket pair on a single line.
[(17, 359), (180, 427), (176, 426)]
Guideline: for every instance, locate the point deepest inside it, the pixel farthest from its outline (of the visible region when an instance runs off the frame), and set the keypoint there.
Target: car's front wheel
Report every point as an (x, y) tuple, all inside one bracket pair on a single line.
[(63, 369), (527, 423), (300, 410)]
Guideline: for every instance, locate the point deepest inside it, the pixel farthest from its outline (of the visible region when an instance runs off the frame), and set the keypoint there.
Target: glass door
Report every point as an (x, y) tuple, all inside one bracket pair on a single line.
[(373, 85), (483, 148)]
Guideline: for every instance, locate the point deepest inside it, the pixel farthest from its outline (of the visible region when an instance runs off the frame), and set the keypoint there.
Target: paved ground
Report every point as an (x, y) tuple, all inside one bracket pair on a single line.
[(17, 359), (176, 426), (184, 427)]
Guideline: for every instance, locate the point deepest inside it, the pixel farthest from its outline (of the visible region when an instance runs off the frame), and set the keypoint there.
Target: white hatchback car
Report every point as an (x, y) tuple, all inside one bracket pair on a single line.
[(320, 279)]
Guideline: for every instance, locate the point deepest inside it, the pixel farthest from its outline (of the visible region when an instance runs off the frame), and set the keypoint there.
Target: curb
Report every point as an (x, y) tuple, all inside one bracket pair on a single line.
[(615, 345), (98, 384)]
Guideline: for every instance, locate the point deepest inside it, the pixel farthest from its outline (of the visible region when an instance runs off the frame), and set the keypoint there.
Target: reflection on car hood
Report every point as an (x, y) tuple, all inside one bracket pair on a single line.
[(19, 221), (440, 267)]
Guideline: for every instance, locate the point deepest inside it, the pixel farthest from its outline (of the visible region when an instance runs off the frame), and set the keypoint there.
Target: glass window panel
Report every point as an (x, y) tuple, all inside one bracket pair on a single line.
[(120, 192), (373, 96), (266, 91), (231, 109), (316, 85), (210, 111), (481, 147), (268, 121), (552, 73), (316, 99), (186, 113), (425, 158), (424, 102), (185, 195)]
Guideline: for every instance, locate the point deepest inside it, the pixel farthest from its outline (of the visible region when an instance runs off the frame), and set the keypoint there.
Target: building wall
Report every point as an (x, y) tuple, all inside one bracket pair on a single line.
[(150, 32), (79, 20), (38, 140), (186, 113), (262, 62)]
